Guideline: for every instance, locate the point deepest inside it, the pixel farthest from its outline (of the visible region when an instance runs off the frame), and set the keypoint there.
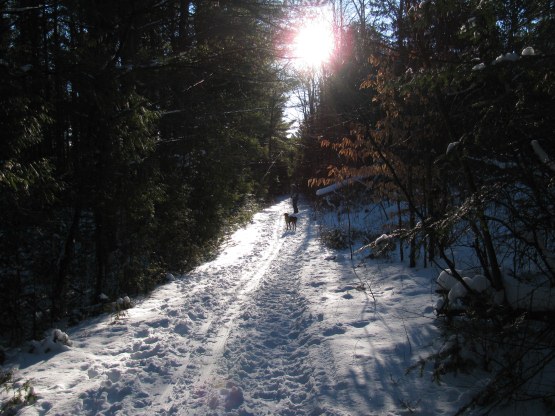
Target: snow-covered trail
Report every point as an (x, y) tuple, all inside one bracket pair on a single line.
[(242, 339), (231, 328), (275, 325)]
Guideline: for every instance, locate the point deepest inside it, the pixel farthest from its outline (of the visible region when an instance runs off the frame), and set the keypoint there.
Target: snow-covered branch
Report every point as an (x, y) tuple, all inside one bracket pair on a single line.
[(338, 185)]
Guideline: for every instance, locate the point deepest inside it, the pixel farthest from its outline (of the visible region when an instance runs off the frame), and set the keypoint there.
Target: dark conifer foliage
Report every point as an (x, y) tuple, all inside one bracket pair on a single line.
[(131, 132)]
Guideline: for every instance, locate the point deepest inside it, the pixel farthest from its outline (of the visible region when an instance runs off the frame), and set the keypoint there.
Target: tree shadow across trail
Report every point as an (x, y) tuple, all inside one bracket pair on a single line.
[(386, 329)]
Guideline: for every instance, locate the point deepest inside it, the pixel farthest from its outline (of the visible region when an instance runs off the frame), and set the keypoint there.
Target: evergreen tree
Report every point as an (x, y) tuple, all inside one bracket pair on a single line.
[(133, 131)]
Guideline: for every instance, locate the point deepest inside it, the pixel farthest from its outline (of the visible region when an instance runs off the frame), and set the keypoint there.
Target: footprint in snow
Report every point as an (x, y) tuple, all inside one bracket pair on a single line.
[(114, 375), (183, 327), (360, 324), (337, 329), (151, 340), (429, 309), (164, 323), (143, 333), (92, 372), (344, 289)]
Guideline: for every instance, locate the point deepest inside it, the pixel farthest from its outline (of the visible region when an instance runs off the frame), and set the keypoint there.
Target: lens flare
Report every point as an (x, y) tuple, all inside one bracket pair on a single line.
[(314, 42)]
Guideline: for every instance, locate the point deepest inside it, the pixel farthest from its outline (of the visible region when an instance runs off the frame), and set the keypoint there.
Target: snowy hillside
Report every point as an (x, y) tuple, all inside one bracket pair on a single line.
[(275, 325)]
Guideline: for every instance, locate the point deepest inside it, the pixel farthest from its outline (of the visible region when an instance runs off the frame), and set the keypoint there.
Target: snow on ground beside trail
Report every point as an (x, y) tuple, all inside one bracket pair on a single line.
[(275, 325)]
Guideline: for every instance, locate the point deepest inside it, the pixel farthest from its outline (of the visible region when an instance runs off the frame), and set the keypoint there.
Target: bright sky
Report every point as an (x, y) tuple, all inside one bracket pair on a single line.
[(314, 40), (311, 46)]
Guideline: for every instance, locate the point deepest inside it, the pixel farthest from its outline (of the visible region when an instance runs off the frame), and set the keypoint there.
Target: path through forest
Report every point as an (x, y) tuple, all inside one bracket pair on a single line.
[(275, 325)]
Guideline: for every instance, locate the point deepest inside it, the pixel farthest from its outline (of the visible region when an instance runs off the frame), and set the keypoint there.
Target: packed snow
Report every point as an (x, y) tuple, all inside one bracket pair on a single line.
[(277, 324)]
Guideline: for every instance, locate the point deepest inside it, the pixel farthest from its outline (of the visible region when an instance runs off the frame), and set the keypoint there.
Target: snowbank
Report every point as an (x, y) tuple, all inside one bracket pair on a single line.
[(519, 295), (446, 280), (527, 296)]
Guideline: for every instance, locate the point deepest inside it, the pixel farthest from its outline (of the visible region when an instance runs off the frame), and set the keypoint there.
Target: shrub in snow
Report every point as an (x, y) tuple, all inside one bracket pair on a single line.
[(335, 239), (456, 297), (537, 296), (15, 395), (455, 355), (123, 303), (381, 246), (56, 341), (60, 337)]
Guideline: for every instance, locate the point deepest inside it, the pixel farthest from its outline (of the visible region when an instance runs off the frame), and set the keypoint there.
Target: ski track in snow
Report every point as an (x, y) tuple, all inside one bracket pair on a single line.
[(260, 330)]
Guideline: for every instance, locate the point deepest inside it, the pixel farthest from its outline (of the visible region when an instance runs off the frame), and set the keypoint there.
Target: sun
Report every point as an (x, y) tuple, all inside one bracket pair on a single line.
[(313, 43)]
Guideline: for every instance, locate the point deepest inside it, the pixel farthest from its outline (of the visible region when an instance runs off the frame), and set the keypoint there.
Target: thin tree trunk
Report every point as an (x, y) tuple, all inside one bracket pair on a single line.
[(400, 225), (60, 285), (101, 256), (412, 222), (431, 211)]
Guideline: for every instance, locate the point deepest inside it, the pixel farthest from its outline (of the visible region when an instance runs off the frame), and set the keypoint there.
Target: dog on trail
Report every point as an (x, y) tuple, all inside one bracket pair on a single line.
[(290, 222)]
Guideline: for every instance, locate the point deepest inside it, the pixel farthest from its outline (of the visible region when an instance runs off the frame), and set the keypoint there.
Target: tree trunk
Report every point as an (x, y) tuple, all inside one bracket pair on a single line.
[(412, 222), (101, 254), (431, 209), (400, 225), (60, 285)]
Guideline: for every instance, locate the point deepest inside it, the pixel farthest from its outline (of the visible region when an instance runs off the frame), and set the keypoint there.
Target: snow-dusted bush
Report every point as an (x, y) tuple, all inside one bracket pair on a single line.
[(14, 395), (123, 303), (335, 239), (382, 246), (519, 295), (497, 331), (55, 341)]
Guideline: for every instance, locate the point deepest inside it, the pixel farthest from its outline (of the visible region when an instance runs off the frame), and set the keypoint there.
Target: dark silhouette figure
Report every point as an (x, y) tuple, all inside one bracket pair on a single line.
[(295, 198)]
